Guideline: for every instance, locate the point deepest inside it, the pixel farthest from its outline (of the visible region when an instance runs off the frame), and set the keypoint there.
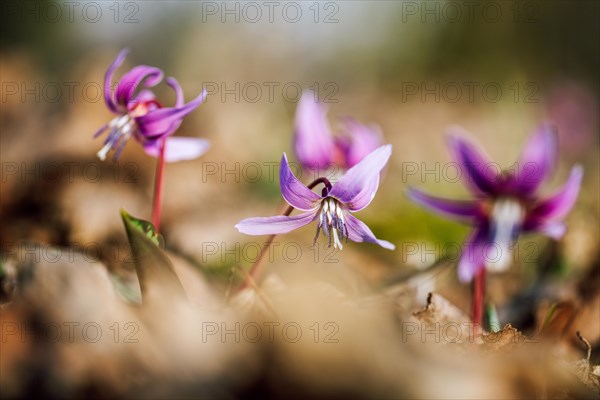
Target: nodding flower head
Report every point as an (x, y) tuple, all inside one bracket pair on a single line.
[(141, 116), (315, 146), (332, 208), (506, 203)]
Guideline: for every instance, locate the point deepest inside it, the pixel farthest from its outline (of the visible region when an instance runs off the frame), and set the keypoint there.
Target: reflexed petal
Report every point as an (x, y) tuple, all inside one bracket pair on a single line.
[(164, 121), (108, 95), (557, 206), (133, 78), (482, 175), (538, 159), (313, 142), (360, 141), (359, 232), (172, 82), (178, 148), (357, 187), (274, 225), (293, 191), (463, 210), (472, 258)]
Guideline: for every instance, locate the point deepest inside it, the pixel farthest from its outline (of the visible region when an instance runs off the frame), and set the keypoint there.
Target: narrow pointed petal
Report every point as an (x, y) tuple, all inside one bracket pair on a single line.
[(164, 121), (357, 187), (360, 141), (537, 160), (472, 258), (480, 174), (313, 142), (462, 210), (108, 95), (132, 79), (274, 225), (293, 191), (557, 206), (359, 232), (178, 148)]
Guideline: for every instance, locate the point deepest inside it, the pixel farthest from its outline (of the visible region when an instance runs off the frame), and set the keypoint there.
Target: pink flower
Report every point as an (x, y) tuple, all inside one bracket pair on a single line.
[(317, 149), (142, 116), (352, 192), (505, 205)]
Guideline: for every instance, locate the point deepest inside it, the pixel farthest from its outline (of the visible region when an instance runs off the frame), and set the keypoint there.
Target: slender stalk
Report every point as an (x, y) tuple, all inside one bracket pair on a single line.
[(158, 186), (256, 268), (478, 299)]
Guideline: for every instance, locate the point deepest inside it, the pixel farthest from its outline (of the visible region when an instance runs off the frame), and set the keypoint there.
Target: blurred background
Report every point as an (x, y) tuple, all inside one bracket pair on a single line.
[(496, 68)]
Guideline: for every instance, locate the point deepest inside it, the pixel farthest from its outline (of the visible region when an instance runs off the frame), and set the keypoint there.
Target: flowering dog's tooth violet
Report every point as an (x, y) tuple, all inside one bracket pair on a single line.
[(315, 146), (142, 116), (352, 192), (505, 204)]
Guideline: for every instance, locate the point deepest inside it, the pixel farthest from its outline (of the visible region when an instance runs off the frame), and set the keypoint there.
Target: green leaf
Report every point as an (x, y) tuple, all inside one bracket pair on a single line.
[(146, 228), (129, 292), (154, 268)]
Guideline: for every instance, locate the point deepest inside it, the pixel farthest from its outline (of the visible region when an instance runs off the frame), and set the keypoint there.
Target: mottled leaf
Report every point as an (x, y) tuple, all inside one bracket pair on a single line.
[(154, 268), (146, 228)]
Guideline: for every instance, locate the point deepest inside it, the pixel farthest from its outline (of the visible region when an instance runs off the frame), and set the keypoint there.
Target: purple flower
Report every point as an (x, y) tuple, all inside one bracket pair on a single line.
[(315, 146), (506, 204), (142, 116), (352, 192)]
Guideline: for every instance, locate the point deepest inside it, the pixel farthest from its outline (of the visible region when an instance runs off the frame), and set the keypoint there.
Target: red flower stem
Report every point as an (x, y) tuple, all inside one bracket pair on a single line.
[(478, 300), (256, 268), (158, 186)]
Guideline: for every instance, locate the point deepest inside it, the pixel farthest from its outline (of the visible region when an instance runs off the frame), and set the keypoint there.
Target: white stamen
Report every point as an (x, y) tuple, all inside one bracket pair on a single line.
[(336, 240), (123, 128), (102, 153), (332, 222), (507, 216), (126, 129), (124, 120), (340, 213)]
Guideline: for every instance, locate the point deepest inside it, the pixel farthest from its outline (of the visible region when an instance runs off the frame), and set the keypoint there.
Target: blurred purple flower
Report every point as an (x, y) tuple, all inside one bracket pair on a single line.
[(315, 146), (140, 115), (352, 192), (505, 204)]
